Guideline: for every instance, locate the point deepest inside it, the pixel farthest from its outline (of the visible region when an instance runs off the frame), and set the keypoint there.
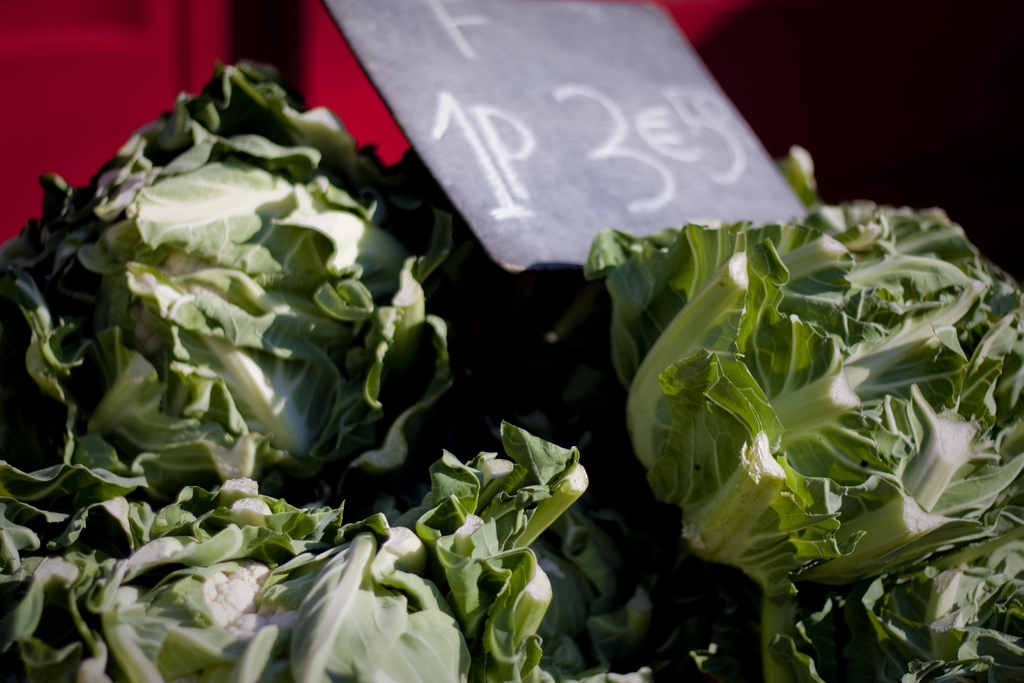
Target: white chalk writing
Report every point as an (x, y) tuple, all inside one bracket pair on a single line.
[(492, 152)]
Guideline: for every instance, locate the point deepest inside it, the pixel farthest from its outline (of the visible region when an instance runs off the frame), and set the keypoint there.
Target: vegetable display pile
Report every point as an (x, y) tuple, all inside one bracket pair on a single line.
[(269, 413)]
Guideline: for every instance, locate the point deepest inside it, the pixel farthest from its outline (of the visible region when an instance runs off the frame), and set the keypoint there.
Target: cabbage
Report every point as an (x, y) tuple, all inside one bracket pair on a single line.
[(228, 298), (232, 585), (825, 402), (803, 442)]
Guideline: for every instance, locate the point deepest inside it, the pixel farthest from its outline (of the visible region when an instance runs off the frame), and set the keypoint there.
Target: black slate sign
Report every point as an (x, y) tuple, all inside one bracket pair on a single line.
[(548, 120)]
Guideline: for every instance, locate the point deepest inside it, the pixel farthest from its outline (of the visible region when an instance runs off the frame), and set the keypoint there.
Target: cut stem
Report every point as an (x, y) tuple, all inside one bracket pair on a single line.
[(548, 510), (719, 529)]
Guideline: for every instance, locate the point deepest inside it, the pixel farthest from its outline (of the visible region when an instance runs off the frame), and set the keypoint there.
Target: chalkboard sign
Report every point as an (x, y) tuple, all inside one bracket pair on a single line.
[(548, 120)]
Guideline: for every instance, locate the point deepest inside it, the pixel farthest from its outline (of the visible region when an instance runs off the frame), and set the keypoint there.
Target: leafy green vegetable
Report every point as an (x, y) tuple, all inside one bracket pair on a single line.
[(242, 310), (229, 297), (940, 625), (818, 399), (233, 585)]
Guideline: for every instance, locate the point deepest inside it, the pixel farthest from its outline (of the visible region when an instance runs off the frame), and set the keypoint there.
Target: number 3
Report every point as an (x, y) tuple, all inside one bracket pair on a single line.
[(613, 147)]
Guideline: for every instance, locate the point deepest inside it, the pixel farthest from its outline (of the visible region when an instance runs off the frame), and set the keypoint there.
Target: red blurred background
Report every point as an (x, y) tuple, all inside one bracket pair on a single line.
[(914, 102)]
